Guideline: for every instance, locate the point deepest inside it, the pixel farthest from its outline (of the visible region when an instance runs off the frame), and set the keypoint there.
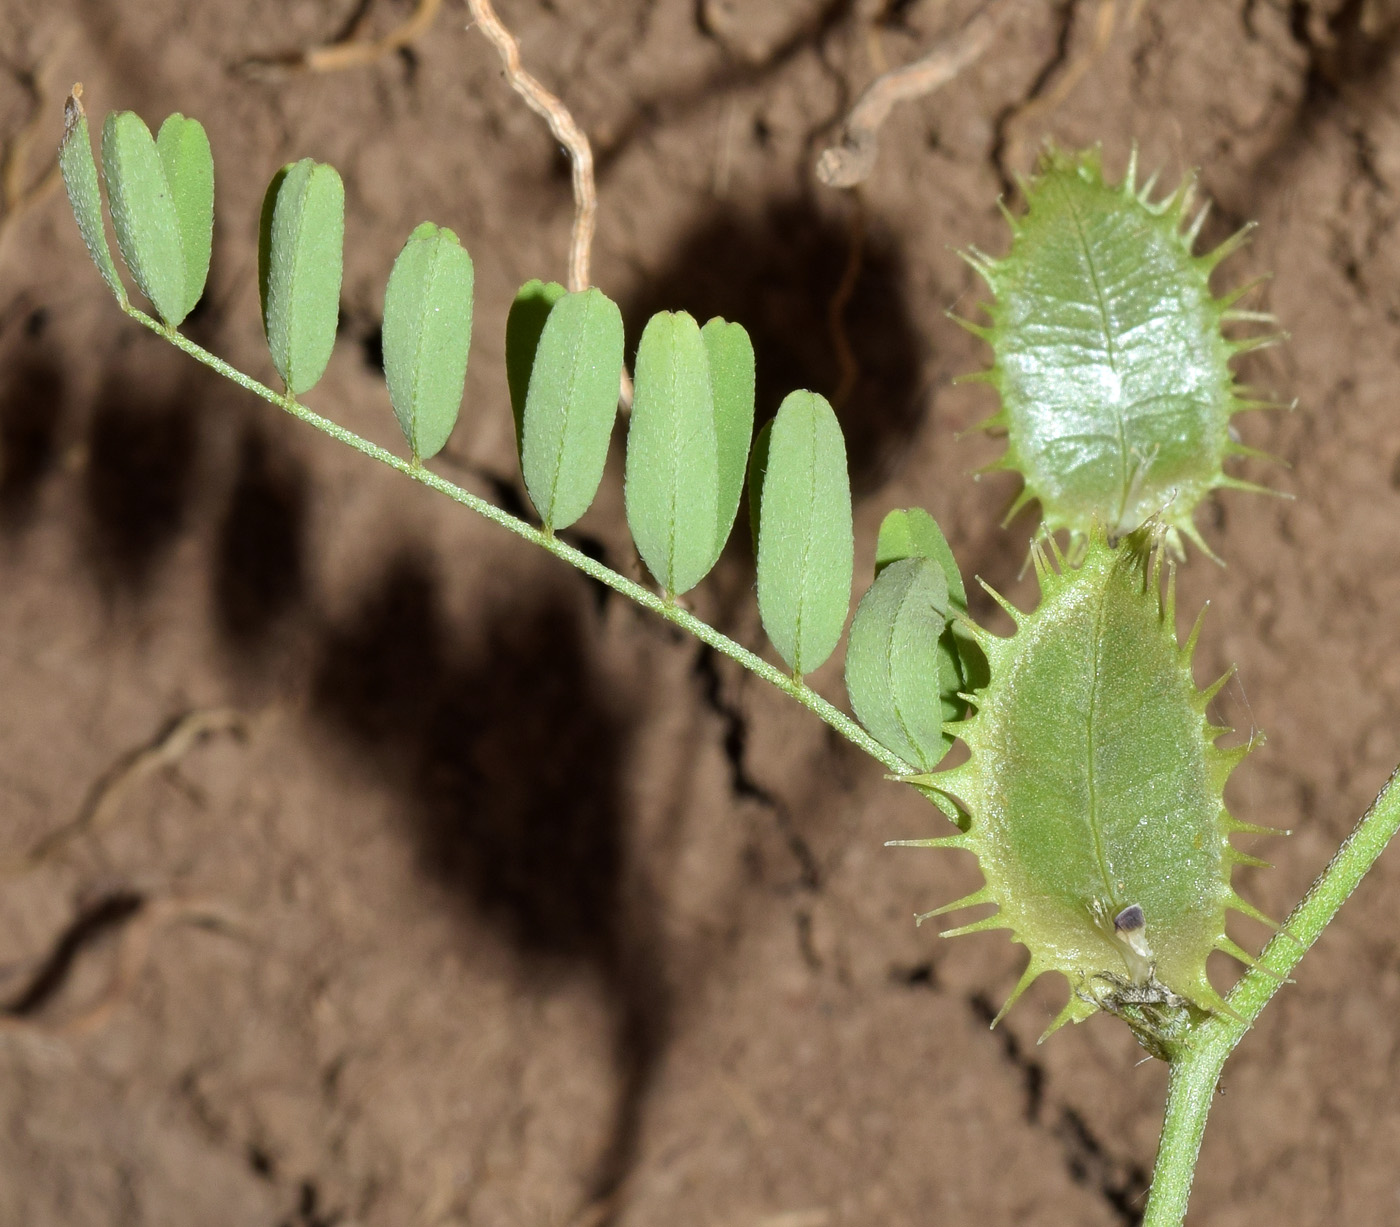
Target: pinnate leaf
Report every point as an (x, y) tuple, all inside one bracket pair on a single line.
[(571, 405), (299, 267), (805, 546), (427, 332)]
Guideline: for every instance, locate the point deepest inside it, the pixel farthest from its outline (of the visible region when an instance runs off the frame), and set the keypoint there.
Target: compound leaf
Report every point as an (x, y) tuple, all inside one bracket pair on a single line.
[(897, 669), (143, 213), (427, 332), (524, 324), (188, 164), (731, 361), (805, 546), (571, 405), (79, 169), (672, 484), (299, 266)]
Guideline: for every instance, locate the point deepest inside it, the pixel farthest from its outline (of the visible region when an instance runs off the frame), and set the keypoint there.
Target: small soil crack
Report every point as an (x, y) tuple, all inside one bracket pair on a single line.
[(741, 782), (1068, 12), (90, 926), (1121, 1183)]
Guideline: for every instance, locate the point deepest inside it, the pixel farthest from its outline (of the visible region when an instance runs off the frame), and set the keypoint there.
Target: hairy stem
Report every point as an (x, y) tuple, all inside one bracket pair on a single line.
[(1194, 1075), (645, 597)]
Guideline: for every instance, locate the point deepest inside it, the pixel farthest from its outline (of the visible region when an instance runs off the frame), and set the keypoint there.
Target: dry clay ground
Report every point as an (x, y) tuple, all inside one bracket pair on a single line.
[(478, 896)]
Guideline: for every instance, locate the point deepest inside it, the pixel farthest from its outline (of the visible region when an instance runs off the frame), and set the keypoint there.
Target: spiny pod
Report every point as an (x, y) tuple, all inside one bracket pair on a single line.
[(1109, 355), (1093, 795)]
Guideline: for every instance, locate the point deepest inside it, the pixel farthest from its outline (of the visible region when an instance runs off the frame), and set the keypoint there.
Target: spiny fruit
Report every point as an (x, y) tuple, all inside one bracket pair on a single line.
[(1092, 796), (1108, 354)]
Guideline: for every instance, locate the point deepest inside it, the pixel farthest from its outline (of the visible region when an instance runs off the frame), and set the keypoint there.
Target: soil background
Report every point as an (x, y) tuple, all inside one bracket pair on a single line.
[(477, 896)]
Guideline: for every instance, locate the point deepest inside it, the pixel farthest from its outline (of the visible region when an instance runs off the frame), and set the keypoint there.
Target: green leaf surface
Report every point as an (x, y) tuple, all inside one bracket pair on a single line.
[(299, 265), (672, 482), (571, 405), (912, 533), (731, 360), (188, 164), (897, 670), (79, 170), (524, 324), (427, 332), (144, 214), (805, 546), (758, 469)]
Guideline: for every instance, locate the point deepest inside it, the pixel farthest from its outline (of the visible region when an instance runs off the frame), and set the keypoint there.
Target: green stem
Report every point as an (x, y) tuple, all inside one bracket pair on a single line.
[(645, 597), (1195, 1074)]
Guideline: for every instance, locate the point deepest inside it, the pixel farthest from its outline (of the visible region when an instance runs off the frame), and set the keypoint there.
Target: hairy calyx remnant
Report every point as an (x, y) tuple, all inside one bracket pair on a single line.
[(1093, 795), (1109, 356)]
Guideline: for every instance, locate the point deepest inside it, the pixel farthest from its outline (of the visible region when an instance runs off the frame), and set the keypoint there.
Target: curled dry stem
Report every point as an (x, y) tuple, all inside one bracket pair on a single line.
[(852, 160), (566, 132)]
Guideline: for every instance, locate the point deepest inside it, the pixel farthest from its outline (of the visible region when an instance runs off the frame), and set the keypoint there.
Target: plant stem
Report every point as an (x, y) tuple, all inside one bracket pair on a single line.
[(1194, 1075), (645, 597)]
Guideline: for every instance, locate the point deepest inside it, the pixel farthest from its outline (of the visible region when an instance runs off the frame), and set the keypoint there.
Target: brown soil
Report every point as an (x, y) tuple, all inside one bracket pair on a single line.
[(504, 904)]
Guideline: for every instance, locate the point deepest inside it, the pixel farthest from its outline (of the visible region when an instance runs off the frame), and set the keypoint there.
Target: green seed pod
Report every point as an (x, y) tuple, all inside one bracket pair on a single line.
[(79, 169), (897, 670), (1114, 374), (427, 332), (188, 163), (571, 405), (144, 214), (672, 481), (299, 267), (732, 382), (805, 547), (524, 324), (1092, 795)]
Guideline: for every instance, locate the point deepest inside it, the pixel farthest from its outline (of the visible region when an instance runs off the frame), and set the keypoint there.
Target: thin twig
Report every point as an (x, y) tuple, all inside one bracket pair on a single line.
[(565, 130), (852, 160), (106, 793), (352, 52)]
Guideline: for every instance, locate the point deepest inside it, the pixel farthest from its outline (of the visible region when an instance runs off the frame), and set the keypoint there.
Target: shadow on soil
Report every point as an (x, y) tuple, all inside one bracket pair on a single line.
[(511, 757), (826, 308)]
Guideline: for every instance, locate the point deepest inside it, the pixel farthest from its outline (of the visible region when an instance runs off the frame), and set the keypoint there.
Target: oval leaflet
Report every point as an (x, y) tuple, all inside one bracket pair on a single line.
[(427, 332)]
